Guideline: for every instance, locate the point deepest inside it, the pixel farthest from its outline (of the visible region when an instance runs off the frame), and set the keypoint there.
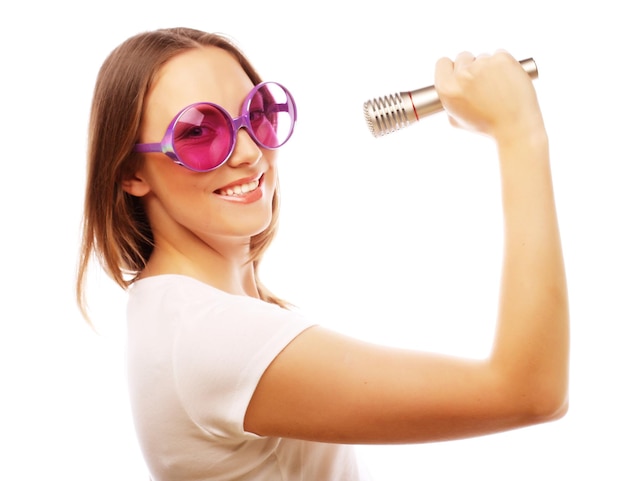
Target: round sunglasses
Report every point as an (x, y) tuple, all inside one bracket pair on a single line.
[(202, 136)]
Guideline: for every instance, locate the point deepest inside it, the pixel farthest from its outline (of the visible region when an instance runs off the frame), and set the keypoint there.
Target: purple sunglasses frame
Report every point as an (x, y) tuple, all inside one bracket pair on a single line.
[(166, 146)]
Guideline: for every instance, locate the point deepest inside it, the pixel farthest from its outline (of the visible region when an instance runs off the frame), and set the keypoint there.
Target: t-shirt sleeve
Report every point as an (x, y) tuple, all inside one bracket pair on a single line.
[(221, 351)]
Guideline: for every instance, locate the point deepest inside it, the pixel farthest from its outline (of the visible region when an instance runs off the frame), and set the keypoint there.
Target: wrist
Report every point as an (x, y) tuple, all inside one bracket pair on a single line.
[(529, 132), (524, 158)]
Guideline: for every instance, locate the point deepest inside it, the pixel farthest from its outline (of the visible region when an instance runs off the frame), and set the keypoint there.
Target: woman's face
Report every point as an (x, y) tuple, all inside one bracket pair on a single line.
[(233, 202)]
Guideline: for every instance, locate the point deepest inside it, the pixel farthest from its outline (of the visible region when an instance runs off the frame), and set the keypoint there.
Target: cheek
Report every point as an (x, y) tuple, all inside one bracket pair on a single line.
[(272, 172), (164, 175), (271, 182), (176, 188)]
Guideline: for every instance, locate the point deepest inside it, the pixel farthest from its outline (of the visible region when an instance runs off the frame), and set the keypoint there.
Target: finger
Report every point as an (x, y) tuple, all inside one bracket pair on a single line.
[(444, 68), (481, 59), (501, 51), (462, 60), (503, 57), (453, 122), (499, 55)]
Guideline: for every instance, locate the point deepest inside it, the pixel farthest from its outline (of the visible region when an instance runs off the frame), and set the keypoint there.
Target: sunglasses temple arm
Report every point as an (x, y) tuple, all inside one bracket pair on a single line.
[(280, 107), (146, 148)]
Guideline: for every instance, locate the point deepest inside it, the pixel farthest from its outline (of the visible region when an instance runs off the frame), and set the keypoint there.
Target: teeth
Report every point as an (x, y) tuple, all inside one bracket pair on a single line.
[(240, 189)]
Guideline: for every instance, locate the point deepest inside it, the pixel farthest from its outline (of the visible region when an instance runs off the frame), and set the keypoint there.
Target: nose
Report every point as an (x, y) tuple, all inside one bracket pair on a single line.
[(246, 150)]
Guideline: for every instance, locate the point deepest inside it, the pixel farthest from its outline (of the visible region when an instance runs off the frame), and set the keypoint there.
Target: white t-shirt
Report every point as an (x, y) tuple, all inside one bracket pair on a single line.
[(195, 356)]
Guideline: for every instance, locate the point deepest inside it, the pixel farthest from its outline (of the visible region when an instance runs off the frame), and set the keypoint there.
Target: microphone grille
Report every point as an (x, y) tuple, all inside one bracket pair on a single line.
[(387, 114)]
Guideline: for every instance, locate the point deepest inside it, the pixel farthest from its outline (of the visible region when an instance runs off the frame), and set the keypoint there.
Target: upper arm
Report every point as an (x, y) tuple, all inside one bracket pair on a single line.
[(327, 387)]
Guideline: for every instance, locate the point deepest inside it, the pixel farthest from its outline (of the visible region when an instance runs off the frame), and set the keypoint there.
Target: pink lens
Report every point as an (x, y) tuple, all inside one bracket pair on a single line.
[(203, 137), (272, 115)]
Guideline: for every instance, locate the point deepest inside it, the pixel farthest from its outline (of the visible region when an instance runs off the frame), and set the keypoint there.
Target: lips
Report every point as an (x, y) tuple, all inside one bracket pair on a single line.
[(239, 188), (248, 189)]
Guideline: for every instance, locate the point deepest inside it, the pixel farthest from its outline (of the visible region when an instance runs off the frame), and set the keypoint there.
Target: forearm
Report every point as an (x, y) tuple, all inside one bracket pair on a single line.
[(532, 341)]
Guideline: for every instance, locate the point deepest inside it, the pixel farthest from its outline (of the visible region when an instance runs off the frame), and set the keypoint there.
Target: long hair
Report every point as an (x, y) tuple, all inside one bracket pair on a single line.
[(115, 227)]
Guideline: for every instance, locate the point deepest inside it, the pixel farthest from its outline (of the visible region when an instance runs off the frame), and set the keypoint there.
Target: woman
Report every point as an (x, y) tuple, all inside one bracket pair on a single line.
[(226, 382)]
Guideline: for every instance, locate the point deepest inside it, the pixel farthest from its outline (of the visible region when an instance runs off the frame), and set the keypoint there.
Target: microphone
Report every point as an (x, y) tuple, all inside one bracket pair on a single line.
[(394, 112)]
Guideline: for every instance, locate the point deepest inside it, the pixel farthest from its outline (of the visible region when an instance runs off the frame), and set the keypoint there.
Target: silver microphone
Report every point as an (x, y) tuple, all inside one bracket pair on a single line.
[(394, 112)]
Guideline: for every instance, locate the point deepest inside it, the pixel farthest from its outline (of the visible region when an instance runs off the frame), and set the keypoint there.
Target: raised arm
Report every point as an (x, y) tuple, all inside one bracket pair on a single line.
[(328, 387)]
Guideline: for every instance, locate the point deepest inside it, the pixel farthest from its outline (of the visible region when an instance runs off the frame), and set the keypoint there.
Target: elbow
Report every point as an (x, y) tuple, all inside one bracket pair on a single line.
[(555, 408), (545, 405), (534, 399), (550, 399), (549, 411), (561, 411)]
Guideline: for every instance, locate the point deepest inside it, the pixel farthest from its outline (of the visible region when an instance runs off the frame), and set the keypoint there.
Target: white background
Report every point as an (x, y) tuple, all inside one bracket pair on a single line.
[(396, 240)]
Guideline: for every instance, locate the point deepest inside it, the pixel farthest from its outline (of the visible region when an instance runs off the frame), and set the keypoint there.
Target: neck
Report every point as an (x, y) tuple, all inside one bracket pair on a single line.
[(223, 265)]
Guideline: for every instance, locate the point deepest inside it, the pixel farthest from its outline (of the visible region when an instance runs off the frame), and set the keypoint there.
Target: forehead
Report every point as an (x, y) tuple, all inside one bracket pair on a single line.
[(205, 74)]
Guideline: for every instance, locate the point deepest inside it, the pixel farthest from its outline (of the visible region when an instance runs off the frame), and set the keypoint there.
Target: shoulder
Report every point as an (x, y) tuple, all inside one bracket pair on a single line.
[(195, 310)]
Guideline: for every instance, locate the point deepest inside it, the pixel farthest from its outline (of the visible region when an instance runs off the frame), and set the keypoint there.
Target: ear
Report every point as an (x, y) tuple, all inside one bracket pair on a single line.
[(136, 185)]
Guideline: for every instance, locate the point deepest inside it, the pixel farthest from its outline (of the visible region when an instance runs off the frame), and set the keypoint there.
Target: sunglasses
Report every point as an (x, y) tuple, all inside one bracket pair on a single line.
[(202, 136)]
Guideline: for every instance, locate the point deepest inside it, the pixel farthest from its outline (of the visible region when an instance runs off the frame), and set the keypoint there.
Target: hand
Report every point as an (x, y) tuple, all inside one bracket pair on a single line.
[(491, 94)]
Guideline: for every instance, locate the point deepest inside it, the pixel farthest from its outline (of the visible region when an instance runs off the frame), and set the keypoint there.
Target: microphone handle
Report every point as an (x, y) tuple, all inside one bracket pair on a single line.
[(391, 113)]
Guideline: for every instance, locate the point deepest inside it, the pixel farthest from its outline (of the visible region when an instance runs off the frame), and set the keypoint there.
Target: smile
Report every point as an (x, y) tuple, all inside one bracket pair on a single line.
[(240, 189), (243, 191)]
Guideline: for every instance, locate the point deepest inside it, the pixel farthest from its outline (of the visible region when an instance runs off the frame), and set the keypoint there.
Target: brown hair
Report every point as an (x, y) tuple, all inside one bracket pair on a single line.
[(116, 230)]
